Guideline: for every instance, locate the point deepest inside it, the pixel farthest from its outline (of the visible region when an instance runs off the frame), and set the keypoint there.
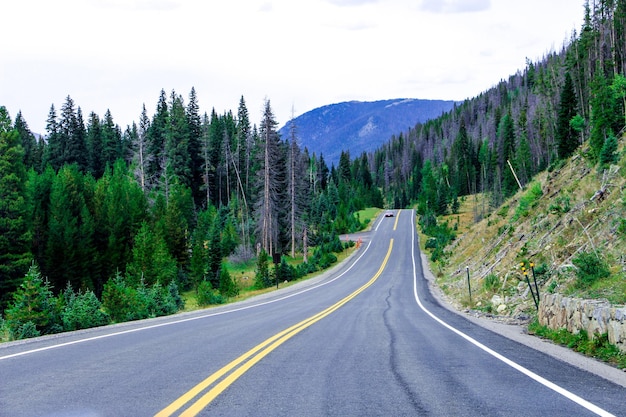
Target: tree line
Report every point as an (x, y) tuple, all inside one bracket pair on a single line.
[(140, 213), (136, 214)]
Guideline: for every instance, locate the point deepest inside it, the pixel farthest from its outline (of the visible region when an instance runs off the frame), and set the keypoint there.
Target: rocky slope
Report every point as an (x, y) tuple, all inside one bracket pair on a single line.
[(574, 208)]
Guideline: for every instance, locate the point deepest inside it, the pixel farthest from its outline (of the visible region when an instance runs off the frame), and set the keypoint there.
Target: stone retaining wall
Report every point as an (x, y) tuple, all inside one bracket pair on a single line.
[(575, 314)]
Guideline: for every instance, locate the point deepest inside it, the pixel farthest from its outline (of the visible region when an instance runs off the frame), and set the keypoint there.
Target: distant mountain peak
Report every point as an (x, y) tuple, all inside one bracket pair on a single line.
[(361, 126)]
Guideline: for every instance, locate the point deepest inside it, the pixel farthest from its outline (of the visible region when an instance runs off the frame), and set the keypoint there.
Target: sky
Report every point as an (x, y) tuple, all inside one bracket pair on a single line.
[(299, 55)]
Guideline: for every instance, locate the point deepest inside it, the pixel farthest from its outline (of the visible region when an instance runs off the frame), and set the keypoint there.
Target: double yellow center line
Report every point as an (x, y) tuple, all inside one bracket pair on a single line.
[(231, 372)]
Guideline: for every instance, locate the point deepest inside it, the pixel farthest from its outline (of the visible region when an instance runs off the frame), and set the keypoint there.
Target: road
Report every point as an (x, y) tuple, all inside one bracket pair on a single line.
[(366, 339)]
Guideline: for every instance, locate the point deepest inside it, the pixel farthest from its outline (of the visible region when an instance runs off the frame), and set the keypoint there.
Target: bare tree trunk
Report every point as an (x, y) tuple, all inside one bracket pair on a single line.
[(305, 246)]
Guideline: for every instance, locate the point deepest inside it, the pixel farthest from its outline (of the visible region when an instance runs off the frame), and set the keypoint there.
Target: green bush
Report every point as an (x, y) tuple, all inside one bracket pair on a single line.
[(285, 272), (440, 235), (528, 200), (262, 278), (26, 331), (158, 300), (608, 153), (228, 287), (82, 311), (206, 295), (122, 302), (175, 294), (590, 268), (4, 330), (561, 204)]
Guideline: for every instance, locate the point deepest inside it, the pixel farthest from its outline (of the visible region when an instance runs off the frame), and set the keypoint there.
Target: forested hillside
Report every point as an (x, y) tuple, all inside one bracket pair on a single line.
[(524, 124), (96, 218)]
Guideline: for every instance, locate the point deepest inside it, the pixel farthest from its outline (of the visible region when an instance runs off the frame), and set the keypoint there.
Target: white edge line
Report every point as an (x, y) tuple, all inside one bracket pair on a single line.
[(571, 396), (169, 323)]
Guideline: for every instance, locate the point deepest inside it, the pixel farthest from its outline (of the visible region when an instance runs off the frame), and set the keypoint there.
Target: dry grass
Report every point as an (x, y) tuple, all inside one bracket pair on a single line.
[(561, 223)]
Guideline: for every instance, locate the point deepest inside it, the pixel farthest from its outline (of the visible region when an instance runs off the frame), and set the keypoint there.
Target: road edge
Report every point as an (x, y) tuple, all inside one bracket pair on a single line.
[(518, 333)]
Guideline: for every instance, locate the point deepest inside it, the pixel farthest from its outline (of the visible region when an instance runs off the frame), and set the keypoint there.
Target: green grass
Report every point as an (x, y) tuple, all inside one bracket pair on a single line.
[(612, 288), (367, 215), (244, 273), (597, 347)]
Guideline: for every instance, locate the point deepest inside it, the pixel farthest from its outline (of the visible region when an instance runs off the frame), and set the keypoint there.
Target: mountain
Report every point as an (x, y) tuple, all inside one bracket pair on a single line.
[(358, 126)]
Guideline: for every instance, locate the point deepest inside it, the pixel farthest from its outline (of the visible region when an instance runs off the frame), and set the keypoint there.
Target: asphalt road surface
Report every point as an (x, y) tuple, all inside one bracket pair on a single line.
[(365, 339)]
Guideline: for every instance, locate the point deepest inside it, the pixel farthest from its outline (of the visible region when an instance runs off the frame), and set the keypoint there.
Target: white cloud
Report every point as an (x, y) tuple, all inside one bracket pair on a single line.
[(118, 54), (455, 6)]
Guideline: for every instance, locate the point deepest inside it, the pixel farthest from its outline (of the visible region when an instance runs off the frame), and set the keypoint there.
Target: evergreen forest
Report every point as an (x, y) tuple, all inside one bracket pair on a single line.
[(103, 224)]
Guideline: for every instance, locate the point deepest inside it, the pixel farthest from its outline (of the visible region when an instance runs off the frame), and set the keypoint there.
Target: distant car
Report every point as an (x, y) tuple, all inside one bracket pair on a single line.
[(389, 213)]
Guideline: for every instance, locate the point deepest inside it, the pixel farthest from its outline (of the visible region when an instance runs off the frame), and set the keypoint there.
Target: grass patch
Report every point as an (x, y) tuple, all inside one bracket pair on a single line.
[(366, 216), (243, 273), (597, 347), (612, 288)]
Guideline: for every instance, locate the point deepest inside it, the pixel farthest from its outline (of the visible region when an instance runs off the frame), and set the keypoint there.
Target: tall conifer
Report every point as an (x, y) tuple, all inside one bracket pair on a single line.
[(14, 236), (566, 136)]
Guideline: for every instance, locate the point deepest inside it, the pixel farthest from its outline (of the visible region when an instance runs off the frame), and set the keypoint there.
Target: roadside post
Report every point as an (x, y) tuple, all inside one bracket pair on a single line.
[(469, 285), (532, 268), (530, 287)]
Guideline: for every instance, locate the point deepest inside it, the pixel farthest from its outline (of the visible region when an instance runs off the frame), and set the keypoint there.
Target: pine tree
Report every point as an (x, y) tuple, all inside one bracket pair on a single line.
[(119, 209), (227, 286), (156, 140), (199, 261), (566, 137), (194, 123), (32, 155), (111, 140), (32, 307), (70, 247), (141, 158), (72, 136), (506, 136), (269, 182), (244, 145), (129, 139), (175, 222), (53, 154), (619, 89), (94, 144), (14, 235), (39, 187), (177, 142), (214, 254), (262, 278), (151, 261), (297, 187)]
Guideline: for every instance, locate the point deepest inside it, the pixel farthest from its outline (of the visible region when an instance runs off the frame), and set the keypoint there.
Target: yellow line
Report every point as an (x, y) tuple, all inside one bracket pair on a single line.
[(395, 225), (257, 353)]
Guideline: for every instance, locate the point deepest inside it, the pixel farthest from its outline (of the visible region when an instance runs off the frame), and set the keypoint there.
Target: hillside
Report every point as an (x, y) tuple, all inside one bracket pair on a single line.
[(556, 221), (358, 127)]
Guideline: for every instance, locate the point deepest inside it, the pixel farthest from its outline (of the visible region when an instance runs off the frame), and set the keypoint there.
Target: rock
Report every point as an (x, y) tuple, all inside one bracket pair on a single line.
[(496, 300), (501, 308)]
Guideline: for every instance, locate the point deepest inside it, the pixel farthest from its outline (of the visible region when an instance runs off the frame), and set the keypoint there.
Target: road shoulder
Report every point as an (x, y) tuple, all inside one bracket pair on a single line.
[(517, 332)]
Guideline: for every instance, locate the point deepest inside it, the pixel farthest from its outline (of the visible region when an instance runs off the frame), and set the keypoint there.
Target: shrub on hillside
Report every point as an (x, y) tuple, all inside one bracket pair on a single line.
[(491, 282), (590, 268), (528, 200)]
